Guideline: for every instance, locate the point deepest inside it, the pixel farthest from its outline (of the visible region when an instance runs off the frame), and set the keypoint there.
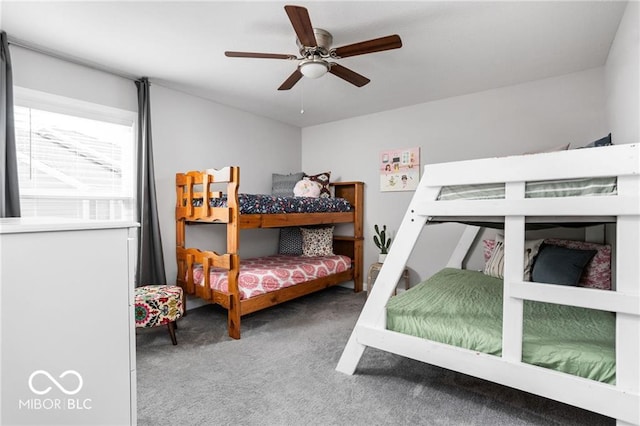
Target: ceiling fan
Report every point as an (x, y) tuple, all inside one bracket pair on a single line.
[(314, 45)]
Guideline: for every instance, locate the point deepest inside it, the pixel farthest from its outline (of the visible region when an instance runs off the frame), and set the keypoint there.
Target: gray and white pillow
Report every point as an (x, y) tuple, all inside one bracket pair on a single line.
[(494, 267), (282, 185)]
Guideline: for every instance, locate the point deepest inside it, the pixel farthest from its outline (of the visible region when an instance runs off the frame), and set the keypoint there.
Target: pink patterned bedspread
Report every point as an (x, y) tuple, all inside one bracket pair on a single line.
[(261, 275)]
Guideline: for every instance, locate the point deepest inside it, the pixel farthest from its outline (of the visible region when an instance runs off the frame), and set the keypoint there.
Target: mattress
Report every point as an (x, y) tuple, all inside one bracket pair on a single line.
[(551, 188), (269, 204), (464, 308), (269, 273)]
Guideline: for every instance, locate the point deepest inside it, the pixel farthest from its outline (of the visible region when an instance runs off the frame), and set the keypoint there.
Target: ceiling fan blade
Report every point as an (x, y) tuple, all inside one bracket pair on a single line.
[(299, 17), (291, 81), (369, 46), (258, 55), (348, 75)]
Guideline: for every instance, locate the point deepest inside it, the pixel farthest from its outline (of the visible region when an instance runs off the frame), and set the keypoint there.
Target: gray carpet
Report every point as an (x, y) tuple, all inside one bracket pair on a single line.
[(282, 372)]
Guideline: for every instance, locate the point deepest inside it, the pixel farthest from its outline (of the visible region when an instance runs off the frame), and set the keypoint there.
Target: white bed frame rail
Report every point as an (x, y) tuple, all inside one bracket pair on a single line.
[(622, 400)]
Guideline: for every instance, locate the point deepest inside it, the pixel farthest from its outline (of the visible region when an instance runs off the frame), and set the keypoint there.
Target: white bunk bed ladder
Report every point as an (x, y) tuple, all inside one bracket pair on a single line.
[(621, 401), (628, 284), (512, 307), (374, 313)]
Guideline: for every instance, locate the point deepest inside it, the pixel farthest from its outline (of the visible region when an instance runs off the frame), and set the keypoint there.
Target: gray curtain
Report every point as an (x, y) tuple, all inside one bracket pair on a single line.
[(9, 191), (150, 268)]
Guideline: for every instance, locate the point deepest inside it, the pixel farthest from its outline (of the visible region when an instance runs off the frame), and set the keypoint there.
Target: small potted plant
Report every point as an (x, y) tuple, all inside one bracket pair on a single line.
[(382, 242)]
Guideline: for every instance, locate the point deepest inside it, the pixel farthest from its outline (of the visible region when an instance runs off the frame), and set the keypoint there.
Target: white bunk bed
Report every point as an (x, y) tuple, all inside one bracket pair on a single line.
[(620, 401)]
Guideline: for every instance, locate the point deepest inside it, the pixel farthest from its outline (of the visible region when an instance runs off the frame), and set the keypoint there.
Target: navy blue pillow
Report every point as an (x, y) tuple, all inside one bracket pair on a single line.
[(290, 241), (560, 265), (600, 142)]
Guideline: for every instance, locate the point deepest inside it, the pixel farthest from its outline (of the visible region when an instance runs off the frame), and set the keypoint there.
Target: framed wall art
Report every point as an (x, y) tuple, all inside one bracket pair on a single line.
[(399, 169)]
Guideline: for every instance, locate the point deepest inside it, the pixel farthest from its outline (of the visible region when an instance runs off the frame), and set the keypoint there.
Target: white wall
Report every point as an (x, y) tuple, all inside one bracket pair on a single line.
[(622, 73), (191, 133), (504, 121)]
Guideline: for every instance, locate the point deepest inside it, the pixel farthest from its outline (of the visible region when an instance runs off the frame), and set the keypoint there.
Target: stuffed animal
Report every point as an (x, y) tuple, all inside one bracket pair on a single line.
[(307, 188)]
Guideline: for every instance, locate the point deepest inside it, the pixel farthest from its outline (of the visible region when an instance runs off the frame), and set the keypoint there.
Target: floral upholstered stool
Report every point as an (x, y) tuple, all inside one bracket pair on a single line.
[(159, 305)]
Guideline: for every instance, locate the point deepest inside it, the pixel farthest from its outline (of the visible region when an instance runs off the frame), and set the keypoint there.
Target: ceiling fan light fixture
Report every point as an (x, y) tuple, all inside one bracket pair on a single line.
[(314, 45), (314, 68)]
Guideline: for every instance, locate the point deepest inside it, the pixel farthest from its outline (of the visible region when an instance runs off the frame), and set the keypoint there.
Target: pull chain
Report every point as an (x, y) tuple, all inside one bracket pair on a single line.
[(302, 97)]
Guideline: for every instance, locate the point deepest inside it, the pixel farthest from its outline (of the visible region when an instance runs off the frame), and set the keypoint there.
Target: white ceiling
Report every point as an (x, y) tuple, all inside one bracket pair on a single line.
[(449, 48)]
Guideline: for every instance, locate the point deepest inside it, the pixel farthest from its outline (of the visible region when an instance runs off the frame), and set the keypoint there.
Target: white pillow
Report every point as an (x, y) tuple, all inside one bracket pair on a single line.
[(495, 265), (307, 188)]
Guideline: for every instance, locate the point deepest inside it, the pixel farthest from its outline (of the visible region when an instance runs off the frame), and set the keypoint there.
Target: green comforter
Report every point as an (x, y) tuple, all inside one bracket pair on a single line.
[(464, 308)]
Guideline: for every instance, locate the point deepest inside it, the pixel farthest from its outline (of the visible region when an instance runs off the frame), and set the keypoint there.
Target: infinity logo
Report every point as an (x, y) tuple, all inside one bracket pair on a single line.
[(55, 382)]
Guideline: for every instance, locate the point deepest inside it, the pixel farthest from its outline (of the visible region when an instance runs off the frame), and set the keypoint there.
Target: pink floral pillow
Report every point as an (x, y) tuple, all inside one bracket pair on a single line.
[(487, 249), (597, 273)]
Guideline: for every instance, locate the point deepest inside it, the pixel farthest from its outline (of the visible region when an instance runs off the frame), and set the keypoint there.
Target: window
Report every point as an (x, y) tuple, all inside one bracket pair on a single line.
[(75, 159)]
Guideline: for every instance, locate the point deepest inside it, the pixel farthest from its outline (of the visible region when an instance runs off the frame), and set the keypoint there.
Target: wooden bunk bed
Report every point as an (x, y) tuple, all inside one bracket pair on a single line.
[(195, 187), (620, 397)]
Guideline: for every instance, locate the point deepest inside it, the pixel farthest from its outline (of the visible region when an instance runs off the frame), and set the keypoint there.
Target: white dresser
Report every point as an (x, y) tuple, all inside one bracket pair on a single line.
[(67, 326)]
